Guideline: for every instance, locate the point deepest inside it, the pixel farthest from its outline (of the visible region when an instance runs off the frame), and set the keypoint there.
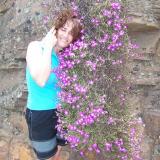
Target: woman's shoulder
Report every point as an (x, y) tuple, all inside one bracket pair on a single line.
[(33, 47)]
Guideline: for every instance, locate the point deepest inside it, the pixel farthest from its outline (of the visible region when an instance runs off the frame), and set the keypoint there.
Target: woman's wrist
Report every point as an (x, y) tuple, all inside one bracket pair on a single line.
[(47, 51)]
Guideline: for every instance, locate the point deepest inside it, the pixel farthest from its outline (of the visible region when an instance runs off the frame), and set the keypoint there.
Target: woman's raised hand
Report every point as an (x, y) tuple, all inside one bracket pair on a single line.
[(50, 40)]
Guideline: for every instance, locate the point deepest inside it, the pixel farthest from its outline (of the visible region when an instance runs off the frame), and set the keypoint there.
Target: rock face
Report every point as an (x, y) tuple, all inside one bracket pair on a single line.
[(23, 21), (144, 28)]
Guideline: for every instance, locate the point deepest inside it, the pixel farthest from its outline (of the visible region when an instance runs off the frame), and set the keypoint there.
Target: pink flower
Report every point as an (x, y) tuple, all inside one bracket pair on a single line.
[(108, 146)]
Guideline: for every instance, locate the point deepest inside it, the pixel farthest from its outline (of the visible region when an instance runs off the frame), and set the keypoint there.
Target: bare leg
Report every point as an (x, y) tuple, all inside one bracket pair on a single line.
[(57, 155)]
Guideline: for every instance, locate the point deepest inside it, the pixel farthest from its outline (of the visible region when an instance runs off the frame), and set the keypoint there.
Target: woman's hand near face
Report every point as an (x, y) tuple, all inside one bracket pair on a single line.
[(50, 40)]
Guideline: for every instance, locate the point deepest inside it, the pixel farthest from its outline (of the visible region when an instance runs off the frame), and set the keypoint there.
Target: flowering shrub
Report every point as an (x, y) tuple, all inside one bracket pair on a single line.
[(93, 114)]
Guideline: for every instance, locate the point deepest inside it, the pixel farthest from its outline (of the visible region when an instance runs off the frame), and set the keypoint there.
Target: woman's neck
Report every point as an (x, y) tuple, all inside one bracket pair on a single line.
[(57, 49)]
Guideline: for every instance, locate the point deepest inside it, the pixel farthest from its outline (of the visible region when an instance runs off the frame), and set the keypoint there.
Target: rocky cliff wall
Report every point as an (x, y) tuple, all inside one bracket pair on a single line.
[(144, 30), (21, 21)]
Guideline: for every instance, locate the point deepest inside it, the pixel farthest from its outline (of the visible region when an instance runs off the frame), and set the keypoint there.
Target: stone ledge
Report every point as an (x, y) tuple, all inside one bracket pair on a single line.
[(152, 69), (5, 5), (146, 81), (139, 24), (156, 157)]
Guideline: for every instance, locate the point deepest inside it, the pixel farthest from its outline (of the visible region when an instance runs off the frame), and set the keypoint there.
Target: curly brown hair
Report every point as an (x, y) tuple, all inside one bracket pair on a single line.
[(63, 17)]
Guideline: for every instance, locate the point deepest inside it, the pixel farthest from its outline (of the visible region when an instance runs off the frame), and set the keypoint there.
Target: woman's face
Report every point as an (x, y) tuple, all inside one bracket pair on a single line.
[(64, 37)]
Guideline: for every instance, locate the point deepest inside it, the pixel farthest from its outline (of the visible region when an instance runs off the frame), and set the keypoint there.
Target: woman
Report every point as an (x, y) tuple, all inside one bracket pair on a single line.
[(43, 92)]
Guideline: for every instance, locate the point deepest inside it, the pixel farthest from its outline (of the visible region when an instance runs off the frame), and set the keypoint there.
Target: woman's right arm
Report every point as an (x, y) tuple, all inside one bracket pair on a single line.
[(38, 62)]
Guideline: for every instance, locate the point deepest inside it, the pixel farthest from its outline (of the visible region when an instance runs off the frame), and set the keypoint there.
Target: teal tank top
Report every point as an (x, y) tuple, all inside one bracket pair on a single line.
[(46, 97)]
